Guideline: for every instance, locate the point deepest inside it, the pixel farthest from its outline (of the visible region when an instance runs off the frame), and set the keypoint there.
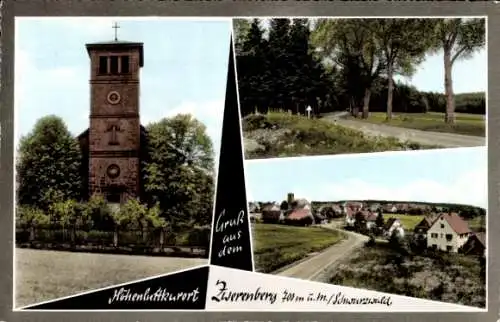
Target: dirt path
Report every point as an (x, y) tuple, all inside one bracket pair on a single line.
[(446, 140), (313, 269)]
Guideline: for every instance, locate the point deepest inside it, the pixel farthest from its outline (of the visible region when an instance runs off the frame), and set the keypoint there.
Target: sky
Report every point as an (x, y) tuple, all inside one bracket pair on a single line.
[(469, 75), (445, 175), (185, 69)]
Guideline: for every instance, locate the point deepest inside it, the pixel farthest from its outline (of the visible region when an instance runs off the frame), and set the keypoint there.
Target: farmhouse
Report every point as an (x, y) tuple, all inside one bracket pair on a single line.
[(420, 230), (475, 245), (349, 217), (448, 232), (300, 217)]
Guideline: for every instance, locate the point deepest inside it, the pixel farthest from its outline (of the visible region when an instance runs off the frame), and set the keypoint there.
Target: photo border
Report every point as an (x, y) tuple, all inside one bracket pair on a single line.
[(240, 9)]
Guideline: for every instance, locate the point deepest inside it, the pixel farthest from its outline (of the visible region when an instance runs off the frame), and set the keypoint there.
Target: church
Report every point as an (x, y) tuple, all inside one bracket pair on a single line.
[(115, 142)]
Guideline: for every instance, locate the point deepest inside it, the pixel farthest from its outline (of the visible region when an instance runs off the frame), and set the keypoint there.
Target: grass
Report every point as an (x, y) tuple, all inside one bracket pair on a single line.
[(408, 221), (285, 135), (276, 246), (467, 124), (45, 275), (437, 276)]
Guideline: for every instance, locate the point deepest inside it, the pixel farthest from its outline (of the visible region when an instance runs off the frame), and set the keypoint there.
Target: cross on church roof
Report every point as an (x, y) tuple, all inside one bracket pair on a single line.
[(115, 27)]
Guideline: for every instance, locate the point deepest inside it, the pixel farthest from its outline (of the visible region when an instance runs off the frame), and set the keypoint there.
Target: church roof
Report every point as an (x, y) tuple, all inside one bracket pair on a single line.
[(114, 44)]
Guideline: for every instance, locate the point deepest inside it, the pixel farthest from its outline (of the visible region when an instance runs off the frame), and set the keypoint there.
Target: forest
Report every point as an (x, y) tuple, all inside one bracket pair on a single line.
[(352, 64)]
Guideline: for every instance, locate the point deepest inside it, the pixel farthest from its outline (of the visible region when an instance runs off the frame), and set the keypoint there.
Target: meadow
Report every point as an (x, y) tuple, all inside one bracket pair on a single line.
[(283, 135), (43, 275), (276, 246), (466, 124)]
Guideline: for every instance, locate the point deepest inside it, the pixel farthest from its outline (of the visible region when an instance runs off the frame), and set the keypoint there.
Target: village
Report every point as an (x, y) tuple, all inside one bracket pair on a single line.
[(426, 225), (432, 251)]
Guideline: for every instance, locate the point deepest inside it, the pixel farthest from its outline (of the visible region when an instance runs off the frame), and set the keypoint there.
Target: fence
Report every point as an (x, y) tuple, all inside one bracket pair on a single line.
[(194, 241)]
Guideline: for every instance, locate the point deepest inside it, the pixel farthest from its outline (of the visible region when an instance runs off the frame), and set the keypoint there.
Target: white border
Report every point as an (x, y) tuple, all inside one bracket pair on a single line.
[(242, 143)]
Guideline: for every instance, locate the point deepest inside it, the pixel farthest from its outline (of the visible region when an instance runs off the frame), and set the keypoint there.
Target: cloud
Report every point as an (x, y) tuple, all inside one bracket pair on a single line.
[(466, 188)]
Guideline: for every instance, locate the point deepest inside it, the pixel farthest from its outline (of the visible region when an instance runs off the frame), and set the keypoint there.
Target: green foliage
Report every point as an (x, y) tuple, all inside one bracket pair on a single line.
[(97, 212), (379, 222), (65, 212), (178, 175), (341, 64), (199, 236), (294, 135), (48, 165), (30, 216)]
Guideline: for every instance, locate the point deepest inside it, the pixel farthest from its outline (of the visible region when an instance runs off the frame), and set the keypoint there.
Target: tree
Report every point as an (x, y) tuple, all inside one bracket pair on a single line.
[(458, 38), (404, 43), (240, 30), (49, 165), (179, 172), (360, 222), (284, 205), (379, 221), (254, 75), (350, 44)]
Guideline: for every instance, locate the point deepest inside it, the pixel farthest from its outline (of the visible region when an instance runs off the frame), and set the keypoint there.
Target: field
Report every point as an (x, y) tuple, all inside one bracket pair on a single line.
[(276, 246), (467, 124), (283, 135), (45, 275), (436, 276), (408, 222)]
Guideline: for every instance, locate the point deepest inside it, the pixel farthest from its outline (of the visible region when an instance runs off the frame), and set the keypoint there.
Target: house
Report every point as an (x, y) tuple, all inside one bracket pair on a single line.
[(271, 213), (391, 226), (300, 217), (448, 232), (350, 219), (371, 218), (390, 208), (374, 207), (475, 245), (420, 230)]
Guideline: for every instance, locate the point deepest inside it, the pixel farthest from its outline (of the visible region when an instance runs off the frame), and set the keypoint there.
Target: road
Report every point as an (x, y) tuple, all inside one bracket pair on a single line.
[(446, 140), (313, 268)]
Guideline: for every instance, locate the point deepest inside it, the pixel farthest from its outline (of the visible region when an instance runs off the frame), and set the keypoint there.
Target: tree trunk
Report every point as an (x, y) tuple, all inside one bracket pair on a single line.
[(448, 88), (366, 103), (390, 90)]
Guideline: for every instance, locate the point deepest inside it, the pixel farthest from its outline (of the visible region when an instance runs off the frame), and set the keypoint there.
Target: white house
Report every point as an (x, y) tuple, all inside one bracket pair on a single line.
[(349, 217), (393, 226), (448, 233)]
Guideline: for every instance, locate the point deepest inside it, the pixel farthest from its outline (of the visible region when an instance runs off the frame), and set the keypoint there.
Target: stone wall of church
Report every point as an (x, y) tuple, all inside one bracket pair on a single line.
[(129, 101), (127, 134), (128, 177)]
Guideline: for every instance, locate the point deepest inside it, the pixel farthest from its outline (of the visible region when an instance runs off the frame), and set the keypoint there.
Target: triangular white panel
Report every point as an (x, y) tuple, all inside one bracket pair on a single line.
[(237, 290)]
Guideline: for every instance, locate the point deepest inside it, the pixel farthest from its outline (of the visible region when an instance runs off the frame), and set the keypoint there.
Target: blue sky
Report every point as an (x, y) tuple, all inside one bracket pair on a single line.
[(445, 175), (185, 68)]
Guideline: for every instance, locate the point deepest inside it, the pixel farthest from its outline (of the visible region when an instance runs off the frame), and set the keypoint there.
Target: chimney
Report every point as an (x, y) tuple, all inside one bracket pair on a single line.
[(290, 198)]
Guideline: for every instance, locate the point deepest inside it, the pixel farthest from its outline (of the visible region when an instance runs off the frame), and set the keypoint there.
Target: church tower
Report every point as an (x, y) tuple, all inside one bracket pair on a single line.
[(114, 135)]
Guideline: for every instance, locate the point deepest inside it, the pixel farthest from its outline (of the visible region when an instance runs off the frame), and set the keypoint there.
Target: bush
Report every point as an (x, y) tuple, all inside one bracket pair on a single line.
[(98, 214), (199, 236), (28, 216)]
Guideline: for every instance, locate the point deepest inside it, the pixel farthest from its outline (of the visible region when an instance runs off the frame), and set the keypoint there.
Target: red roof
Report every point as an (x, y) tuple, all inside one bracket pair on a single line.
[(370, 216), (459, 225), (299, 214)]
